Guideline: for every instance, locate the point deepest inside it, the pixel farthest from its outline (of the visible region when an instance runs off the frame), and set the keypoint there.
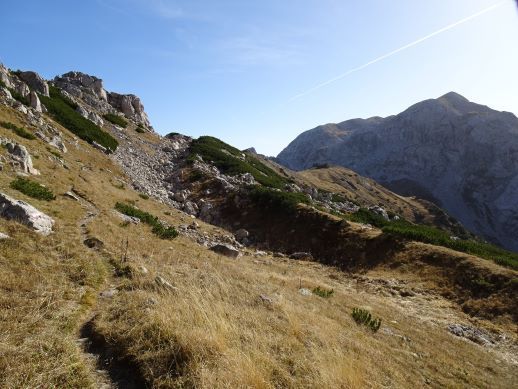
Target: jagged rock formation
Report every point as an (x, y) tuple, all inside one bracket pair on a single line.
[(25, 84), (98, 101), (461, 155), (35, 82), (20, 156)]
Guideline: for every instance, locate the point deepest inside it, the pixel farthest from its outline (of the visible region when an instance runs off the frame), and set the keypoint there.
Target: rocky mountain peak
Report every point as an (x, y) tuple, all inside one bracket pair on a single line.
[(82, 81), (459, 154)]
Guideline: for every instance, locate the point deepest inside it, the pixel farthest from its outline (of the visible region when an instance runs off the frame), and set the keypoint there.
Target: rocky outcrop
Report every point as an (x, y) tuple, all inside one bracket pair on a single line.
[(130, 106), (226, 250), (96, 101), (35, 101), (26, 214), (35, 82), (77, 83), (461, 155), (20, 156)]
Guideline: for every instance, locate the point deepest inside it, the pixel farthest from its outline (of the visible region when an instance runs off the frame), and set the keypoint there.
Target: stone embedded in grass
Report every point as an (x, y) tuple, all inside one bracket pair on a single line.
[(474, 334), (72, 195), (109, 293), (4, 236), (26, 214), (226, 250), (265, 299), (126, 218), (302, 256), (163, 283), (93, 243), (305, 292)]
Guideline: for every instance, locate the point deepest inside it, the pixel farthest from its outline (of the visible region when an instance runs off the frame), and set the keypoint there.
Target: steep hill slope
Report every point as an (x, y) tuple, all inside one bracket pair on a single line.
[(110, 299), (461, 155)]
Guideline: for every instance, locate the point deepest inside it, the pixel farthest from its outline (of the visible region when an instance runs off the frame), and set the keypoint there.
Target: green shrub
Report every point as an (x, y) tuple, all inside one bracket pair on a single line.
[(162, 231), (63, 111), (230, 160), (364, 317), (32, 189), (2, 84), (277, 200), (367, 217), (140, 129), (322, 292), (18, 130), (116, 119), (435, 236), (143, 196)]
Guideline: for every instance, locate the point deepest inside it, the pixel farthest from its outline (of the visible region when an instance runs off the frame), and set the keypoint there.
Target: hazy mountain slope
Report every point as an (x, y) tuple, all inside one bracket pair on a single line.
[(461, 155), (368, 192)]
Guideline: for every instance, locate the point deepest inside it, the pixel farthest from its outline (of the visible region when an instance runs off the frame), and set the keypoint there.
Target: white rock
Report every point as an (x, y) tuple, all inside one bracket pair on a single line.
[(26, 214)]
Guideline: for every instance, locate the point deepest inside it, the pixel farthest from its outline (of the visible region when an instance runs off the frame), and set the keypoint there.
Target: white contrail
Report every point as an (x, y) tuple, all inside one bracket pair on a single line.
[(449, 27)]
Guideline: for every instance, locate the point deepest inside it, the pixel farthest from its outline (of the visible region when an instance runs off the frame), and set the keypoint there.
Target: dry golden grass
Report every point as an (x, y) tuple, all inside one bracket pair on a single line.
[(364, 190), (214, 330)]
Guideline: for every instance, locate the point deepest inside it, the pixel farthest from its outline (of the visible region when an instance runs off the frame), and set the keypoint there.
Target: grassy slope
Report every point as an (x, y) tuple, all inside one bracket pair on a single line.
[(214, 331), (364, 191)]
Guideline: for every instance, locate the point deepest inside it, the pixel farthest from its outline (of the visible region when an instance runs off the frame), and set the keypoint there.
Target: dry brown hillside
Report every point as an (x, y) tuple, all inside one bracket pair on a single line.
[(104, 302)]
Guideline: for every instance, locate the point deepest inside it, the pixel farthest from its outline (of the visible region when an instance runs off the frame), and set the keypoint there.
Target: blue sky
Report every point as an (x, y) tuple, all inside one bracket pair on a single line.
[(234, 68)]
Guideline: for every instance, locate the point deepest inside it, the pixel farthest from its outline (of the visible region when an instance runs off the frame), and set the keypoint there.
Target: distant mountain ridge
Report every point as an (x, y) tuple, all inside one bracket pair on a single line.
[(459, 154)]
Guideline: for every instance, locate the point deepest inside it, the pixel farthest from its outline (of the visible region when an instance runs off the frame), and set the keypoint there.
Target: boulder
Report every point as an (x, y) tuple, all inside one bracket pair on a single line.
[(93, 243), (181, 196), (241, 235), (226, 250), (20, 154), (35, 101), (190, 208), (130, 105), (379, 211), (302, 256), (305, 292), (26, 214), (35, 82)]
